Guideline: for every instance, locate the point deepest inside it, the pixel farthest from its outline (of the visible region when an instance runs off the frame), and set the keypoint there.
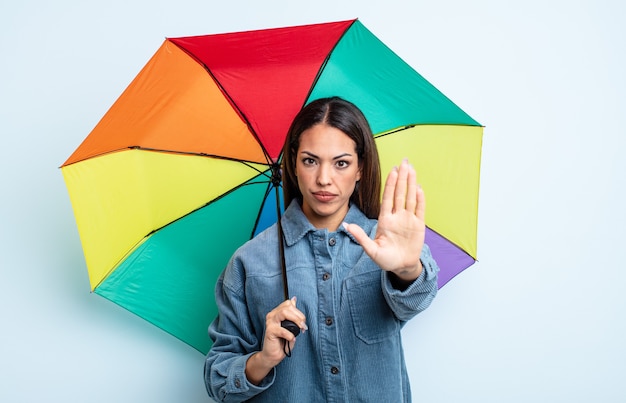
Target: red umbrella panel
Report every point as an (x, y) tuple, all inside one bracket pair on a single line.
[(177, 174)]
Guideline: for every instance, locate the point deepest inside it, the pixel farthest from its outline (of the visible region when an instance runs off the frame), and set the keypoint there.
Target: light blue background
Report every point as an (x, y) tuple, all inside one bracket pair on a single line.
[(541, 317)]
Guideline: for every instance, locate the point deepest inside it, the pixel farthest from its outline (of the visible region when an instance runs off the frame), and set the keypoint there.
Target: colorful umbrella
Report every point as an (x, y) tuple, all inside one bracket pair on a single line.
[(177, 174)]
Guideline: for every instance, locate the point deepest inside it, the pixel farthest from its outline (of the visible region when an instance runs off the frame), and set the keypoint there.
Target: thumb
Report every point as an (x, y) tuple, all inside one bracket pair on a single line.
[(362, 238)]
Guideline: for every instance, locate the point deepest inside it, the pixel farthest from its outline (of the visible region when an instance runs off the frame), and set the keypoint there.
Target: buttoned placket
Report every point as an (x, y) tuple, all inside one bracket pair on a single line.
[(326, 248)]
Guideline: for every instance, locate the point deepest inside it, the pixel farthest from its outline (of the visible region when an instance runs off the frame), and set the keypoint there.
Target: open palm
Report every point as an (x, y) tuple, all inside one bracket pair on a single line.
[(401, 227)]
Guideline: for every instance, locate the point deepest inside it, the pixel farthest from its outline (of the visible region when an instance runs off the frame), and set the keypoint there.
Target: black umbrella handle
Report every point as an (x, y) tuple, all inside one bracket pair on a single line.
[(291, 326)]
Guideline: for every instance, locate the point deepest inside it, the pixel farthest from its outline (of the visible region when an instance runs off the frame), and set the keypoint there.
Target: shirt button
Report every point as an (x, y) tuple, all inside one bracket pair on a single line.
[(334, 370), (237, 383), (326, 276), (332, 241), (329, 321)]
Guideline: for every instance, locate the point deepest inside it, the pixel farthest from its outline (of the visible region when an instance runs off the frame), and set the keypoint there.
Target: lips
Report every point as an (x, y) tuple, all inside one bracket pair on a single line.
[(324, 196)]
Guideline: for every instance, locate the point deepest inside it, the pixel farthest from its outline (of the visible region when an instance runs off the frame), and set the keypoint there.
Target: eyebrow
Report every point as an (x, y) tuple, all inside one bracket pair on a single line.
[(310, 154)]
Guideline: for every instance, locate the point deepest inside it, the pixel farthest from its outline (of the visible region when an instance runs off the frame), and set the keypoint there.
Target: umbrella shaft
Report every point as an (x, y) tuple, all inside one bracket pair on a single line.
[(281, 246)]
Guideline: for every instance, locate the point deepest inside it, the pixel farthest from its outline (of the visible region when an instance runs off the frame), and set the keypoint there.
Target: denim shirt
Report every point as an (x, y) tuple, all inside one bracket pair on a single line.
[(352, 351)]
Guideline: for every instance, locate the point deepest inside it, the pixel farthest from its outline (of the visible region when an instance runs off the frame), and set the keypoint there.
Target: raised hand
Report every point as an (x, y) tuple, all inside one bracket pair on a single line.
[(401, 227)]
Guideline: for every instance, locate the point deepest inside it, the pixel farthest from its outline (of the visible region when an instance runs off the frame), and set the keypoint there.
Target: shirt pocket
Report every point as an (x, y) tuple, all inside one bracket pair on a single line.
[(372, 319)]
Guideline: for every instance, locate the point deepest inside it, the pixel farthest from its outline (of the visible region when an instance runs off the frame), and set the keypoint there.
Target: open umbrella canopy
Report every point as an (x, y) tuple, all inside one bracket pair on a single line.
[(177, 174)]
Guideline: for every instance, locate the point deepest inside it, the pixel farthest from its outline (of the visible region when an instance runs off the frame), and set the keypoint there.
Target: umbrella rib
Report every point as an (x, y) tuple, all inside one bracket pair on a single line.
[(98, 155), (198, 154), (410, 126), (399, 129)]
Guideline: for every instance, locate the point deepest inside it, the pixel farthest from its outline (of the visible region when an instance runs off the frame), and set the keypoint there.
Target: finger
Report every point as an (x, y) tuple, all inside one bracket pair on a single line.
[(420, 212), (400, 193), (274, 339), (283, 333), (386, 205), (290, 312), (411, 194)]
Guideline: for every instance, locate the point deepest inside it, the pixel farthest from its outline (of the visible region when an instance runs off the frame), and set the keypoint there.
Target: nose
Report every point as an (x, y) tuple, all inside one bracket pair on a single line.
[(324, 175)]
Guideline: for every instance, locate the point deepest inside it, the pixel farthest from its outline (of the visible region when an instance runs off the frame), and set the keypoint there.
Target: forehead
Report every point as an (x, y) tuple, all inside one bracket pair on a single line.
[(323, 137)]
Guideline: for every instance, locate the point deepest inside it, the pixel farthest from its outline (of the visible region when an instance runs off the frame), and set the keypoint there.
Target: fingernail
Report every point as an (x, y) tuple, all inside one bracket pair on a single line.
[(303, 326), (294, 299)]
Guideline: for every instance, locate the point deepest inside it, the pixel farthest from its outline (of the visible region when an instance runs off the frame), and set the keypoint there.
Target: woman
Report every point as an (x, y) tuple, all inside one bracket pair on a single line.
[(351, 293)]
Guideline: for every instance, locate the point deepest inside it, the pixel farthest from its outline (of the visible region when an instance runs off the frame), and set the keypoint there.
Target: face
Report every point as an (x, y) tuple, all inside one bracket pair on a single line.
[(327, 169)]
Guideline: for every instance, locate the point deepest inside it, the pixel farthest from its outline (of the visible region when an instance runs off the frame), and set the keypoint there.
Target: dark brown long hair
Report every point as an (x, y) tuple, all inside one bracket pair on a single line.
[(345, 116)]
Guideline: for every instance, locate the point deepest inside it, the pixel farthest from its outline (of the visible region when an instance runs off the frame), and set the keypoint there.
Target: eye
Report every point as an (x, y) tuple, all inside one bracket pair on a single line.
[(342, 164), (308, 161)]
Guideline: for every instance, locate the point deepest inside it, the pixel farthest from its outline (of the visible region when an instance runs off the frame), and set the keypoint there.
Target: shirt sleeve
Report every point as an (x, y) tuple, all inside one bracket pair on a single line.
[(233, 344), (418, 295)]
